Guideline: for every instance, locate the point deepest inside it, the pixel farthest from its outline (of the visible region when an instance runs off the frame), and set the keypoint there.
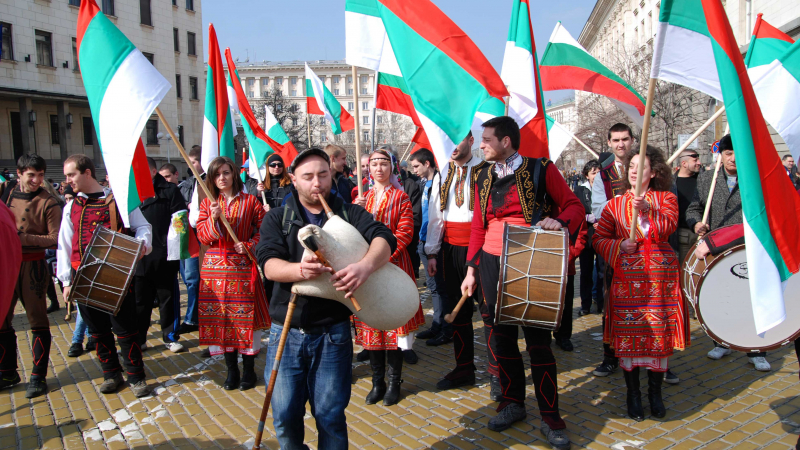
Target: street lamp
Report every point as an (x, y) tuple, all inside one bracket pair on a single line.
[(32, 117), (167, 138), (69, 121)]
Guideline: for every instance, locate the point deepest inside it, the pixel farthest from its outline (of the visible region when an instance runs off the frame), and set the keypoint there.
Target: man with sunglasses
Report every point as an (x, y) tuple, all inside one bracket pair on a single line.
[(686, 186)]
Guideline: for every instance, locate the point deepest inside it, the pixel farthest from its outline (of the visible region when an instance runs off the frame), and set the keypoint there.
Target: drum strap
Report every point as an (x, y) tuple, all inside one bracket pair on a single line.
[(290, 218), (541, 192), (6, 197), (112, 211)]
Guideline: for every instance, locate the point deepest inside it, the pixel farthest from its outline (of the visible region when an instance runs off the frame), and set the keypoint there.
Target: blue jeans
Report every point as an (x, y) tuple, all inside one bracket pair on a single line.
[(314, 368), (80, 328), (190, 272), (431, 284)]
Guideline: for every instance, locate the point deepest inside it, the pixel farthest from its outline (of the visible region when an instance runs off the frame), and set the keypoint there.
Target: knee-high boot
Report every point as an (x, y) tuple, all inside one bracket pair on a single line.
[(377, 360), (249, 378), (634, 395), (654, 381), (8, 359), (232, 362), (395, 362)]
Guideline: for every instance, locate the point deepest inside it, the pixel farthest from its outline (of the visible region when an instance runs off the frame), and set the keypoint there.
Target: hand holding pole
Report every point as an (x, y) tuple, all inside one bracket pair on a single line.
[(651, 91)]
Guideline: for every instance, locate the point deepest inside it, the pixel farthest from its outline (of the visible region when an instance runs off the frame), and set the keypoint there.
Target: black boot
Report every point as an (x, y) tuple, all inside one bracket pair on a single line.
[(395, 363), (8, 359), (249, 378), (377, 360), (232, 362), (654, 380), (634, 396)]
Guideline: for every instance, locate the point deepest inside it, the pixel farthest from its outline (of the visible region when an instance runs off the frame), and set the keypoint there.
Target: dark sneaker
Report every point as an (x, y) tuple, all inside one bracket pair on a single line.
[(441, 339), (557, 438), (427, 334), (188, 328), (111, 385), (140, 389), (671, 378), (465, 380), (410, 357), (36, 386), (584, 312), (605, 369), (9, 380), (565, 345), (91, 344), (362, 356), (75, 350), (508, 416), (495, 389)]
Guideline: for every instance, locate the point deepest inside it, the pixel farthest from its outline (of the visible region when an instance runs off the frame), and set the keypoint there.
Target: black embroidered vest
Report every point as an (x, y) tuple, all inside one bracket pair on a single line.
[(530, 179), (444, 191), (612, 181)]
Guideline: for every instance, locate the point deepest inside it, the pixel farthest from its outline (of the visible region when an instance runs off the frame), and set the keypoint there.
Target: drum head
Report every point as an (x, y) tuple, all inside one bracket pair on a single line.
[(725, 311)]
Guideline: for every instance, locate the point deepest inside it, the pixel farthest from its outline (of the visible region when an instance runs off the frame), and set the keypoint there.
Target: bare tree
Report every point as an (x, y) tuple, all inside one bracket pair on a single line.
[(287, 114)]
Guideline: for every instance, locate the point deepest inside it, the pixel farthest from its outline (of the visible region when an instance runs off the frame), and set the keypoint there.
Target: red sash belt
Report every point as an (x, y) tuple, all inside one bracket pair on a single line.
[(493, 244), (457, 233)]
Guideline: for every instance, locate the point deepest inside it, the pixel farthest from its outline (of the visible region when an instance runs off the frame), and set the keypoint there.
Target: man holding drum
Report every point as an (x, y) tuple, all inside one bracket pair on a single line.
[(92, 208), (514, 191), (726, 209)]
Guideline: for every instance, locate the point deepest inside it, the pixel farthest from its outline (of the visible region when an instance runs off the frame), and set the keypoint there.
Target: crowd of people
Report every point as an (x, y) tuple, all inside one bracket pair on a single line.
[(450, 222)]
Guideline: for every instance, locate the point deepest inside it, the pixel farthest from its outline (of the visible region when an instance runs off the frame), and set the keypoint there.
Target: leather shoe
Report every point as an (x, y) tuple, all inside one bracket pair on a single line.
[(427, 334), (410, 357), (188, 328), (36, 386), (441, 339), (565, 345), (465, 380), (75, 350)]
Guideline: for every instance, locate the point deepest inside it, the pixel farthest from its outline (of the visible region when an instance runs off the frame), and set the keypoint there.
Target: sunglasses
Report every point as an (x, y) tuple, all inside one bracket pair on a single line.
[(695, 156), (275, 165)]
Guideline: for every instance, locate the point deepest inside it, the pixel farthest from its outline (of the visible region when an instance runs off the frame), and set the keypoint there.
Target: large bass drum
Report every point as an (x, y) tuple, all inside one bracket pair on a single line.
[(719, 289)]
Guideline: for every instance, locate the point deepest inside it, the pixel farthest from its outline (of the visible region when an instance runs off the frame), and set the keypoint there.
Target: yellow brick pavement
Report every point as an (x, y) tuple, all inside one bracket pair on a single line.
[(718, 404)]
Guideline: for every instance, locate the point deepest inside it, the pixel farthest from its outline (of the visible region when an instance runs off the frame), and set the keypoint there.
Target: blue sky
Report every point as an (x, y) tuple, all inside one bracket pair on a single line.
[(279, 30)]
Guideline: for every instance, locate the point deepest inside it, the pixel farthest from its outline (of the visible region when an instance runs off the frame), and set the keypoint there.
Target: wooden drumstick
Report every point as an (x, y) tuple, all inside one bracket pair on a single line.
[(287, 323), (311, 244), (68, 317), (449, 318)]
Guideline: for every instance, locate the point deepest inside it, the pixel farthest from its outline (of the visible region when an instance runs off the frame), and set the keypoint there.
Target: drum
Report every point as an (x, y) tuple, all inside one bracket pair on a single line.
[(533, 277), (719, 290), (106, 270)]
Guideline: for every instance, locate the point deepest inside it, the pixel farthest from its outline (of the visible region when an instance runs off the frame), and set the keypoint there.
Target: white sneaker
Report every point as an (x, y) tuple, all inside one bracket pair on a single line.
[(761, 363), (719, 352), (175, 347)]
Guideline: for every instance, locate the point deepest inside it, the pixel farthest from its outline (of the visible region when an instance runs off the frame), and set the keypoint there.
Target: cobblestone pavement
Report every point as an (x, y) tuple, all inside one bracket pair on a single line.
[(718, 404)]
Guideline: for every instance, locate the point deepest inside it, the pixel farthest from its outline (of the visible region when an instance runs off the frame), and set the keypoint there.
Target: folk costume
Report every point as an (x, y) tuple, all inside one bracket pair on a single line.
[(450, 211), (38, 218), (81, 216), (519, 191)]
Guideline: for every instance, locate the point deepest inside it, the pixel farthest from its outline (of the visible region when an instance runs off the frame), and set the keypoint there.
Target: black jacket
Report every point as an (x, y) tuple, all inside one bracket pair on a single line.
[(584, 194), (275, 194), (310, 311), (158, 211), (343, 186), (187, 187)]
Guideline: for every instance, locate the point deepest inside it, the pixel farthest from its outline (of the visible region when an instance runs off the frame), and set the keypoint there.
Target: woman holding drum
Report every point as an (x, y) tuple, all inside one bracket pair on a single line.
[(387, 202), (233, 306), (646, 316)]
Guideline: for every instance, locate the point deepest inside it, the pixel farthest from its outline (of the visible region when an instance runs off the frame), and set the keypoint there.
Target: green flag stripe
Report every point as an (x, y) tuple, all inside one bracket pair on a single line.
[(260, 149), (366, 7), (520, 28), (765, 50), (133, 193), (394, 81), (687, 14), (791, 60), (226, 144), (211, 105), (277, 134)]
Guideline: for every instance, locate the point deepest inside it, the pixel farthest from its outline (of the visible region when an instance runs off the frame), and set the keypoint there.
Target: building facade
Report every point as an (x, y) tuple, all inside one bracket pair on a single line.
[(43, 104)]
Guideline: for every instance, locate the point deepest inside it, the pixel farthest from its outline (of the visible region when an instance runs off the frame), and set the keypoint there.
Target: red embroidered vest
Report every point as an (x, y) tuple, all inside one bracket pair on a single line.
[(86, 215)]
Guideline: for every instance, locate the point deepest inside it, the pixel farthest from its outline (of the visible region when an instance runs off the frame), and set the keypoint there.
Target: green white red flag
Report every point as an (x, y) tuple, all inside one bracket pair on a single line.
[(567, 65), (766, 45), (217, 122), (770, 204), (558, 136), (321, 102), (123, 89), (778, 90)]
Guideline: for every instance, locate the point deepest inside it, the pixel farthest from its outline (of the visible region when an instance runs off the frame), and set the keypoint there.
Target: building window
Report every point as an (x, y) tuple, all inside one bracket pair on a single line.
[(144, 13), (180, 134), (365, 106), (366, 135), (294, 122), (175, 41), (323, 137), (264, 82), (193, 88), (75, 2), (363, 91), (364, 79), (322, 78), (44, 48), (349, 78), (349, 92), (178, 86), (152, 132), (366, 120), (251, 94), (279, 81), (349, 106), (294, 92), (293, 81), (335, 92), (150, 57), (379, 119), (88, 131), (108, 7), (174, 2), (6, 49), (54, 130), (336, 79), (190, 5), (251, 82), (190, 42), (75, 65)]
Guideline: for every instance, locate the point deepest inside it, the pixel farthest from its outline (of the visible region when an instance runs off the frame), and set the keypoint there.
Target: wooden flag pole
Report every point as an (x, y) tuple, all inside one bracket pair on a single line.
[(696, 135), (648, 110), (584, 145), (308, 127), (199, 179), (357, 131), (707, 211), (261, 180), (408, 149)]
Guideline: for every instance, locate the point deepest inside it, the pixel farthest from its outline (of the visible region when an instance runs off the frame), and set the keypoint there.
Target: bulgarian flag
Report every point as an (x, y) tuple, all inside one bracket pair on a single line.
[(567, 65), (420, 140), (320, 102), (521, 75), (770, 204), (558, 138), (778, 90), (767, 44), (261, 144), (217, 123), (123, 90), (392, 95), (181, 240)]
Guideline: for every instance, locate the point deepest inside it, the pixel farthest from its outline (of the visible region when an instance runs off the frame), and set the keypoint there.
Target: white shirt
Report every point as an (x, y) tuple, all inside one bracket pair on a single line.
[(139, 225), (451, 213)]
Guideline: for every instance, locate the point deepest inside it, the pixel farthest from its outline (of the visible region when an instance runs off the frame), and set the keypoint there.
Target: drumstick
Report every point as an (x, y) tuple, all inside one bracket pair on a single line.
[(287, 323), (311, 244), (449, 318), (68, 317)]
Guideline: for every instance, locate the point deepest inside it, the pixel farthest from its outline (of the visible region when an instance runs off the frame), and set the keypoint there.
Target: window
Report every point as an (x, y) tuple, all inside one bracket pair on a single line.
[(6, 49), (152, 132), (279, 81), (108, 7), (54, 130), (365, 106), (190, 42), (349, 78), (264, 82), (251, 94), (379, 119), (364, 79), (251, 82), (294, 122), (323, 137), (175, 41), (366, 120), (88, 131), (294, 92), (145, 15), (322, 78), (75, 2), (75, 65), (336, 79), (193, 88), (335, 92), (180, 134), (366, 135), (363, 91), (44, 48), (349, 92), (150, 57), (174, 2), (279, 107), (190, 5), (349, 106), (293, 81), (178, 86)]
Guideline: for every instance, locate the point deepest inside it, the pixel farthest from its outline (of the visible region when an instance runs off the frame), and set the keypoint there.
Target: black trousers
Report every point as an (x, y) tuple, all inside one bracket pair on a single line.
[(505, 360), (103, 326), (455, 270), (160, 281), (587, 260), (565, 330)]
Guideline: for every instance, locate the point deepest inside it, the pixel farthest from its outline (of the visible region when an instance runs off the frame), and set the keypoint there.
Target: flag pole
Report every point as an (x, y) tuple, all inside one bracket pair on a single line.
[(374, 110), (707, 211), (308, 127), (357, 131), (407, 150), (260, 178), (583, 144), (696, 135), (648, 110), (199, 179)]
